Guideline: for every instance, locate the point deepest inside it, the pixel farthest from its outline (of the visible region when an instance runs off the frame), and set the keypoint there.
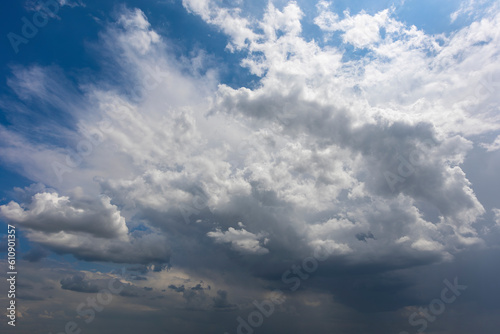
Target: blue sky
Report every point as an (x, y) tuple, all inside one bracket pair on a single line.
[(202, 154)]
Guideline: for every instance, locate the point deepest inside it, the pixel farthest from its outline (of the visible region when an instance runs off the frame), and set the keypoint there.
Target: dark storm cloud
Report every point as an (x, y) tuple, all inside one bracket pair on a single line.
[(376, 183), (195, 299), (177, 288), (364, 236), (79, 284), (221, 301), (36, 254)]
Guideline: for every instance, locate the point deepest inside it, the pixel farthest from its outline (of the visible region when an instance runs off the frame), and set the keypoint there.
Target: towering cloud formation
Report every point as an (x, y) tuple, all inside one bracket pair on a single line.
[(354, 148)]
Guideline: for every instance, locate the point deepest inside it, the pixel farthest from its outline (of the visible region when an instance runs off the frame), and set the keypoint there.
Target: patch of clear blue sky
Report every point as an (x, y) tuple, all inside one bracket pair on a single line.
[(63, 42)]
